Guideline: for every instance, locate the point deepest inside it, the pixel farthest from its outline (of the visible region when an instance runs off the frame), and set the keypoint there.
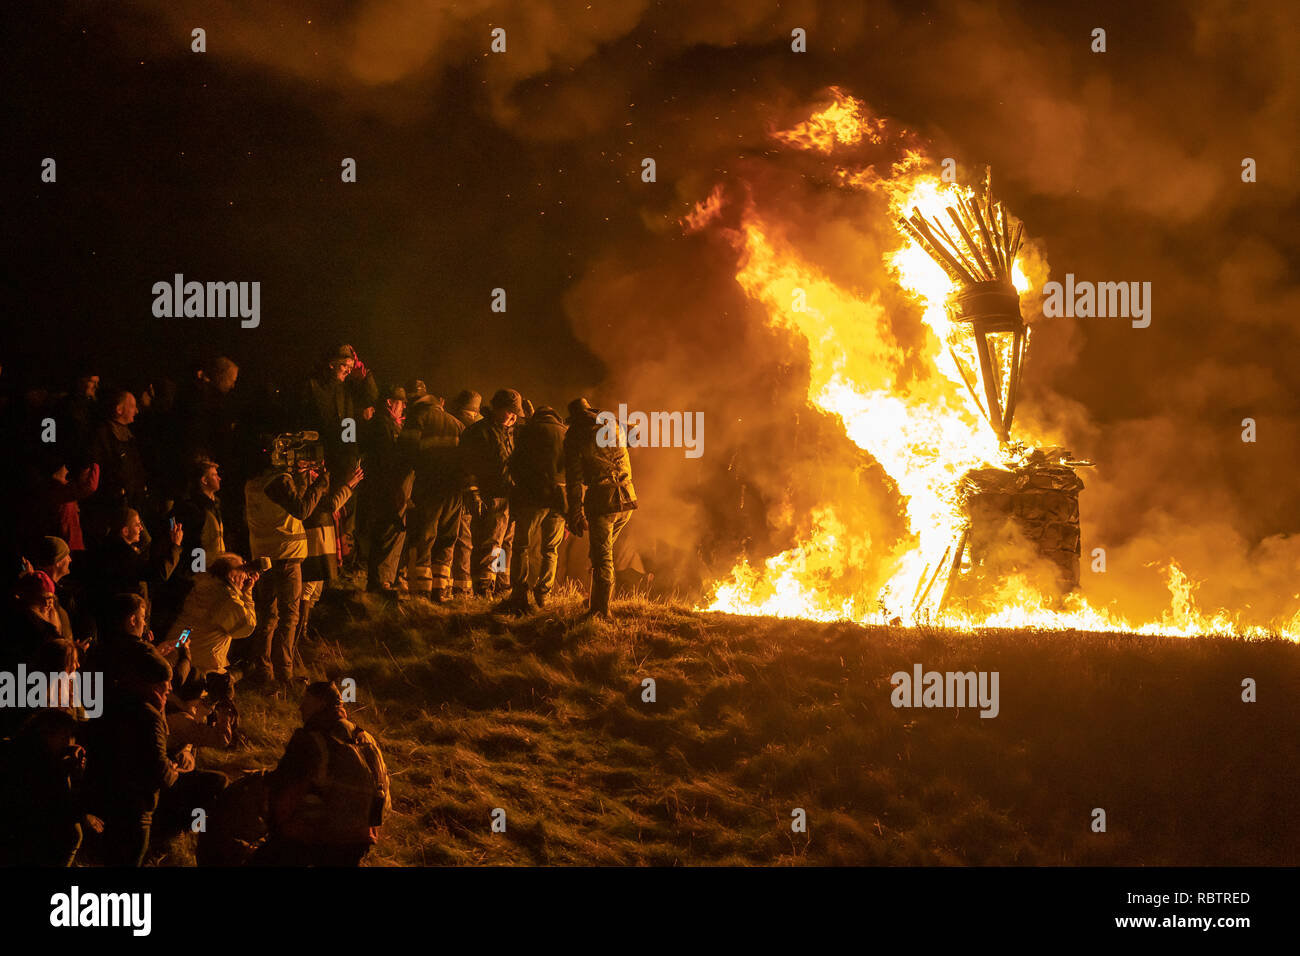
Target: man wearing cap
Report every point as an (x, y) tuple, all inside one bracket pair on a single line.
[(486, 447), (386, 493), (537, 504), (465, 408), (437, 501), (601, 499)]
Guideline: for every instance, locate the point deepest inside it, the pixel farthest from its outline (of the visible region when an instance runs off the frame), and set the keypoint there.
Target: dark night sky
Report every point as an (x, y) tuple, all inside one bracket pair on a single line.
[(522, 171)]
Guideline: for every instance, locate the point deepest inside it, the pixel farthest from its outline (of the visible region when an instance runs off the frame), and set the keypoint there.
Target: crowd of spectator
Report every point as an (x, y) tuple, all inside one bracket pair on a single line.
[(171, 541)]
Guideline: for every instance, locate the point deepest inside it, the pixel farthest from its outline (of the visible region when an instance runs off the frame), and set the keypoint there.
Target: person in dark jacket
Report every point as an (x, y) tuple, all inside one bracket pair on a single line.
[(199, 514), (465, 409), (343, 392), (386, 495), (486, 447), (122, 479), (601, 498), (79, 414), (32, 622), (537, 502), (129, 763), (125, 638), (41, 797), (209, 413), (302, 833), (121, 564), (437, 499)]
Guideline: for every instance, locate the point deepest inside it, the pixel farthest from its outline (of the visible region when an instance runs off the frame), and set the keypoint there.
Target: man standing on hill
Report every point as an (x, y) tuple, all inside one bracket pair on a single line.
[(278, 501), (465, 408), (486, 447), (437, 500), (122, 480), (598, 476), (386, 496), (537, 504)]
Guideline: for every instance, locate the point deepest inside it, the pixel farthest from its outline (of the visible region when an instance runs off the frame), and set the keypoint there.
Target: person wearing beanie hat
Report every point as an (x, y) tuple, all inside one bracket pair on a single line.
[(601, 498), (486, 447), (52, 556), (130, 767), (537, 505), (433, 522), (465, 406), (313, 818)]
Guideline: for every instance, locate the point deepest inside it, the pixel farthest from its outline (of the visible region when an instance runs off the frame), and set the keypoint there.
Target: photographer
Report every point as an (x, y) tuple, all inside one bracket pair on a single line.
[(219, 609), (278, 501)]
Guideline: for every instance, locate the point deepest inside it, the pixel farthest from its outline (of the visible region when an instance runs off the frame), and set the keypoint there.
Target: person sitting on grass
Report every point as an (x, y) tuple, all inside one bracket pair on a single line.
[(40, 790), (328, 795)]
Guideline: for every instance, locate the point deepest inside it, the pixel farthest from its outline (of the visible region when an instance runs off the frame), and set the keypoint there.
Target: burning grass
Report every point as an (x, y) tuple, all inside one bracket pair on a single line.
[(756, 716)]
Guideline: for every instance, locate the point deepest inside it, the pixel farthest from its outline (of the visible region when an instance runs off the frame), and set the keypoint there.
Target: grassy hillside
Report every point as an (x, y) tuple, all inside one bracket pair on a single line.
[(754, 717)]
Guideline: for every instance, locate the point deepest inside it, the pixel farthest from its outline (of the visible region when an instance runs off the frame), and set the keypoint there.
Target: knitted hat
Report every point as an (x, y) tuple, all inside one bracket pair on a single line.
[(49, 551), (33, 588)]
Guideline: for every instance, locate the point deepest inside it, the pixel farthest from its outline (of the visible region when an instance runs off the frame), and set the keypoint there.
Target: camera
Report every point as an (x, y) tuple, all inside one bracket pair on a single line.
[(291, 449)]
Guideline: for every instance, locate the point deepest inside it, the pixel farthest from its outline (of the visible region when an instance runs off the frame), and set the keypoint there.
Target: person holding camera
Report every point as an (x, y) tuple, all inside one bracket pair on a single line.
[(277, 503), (220, 609)]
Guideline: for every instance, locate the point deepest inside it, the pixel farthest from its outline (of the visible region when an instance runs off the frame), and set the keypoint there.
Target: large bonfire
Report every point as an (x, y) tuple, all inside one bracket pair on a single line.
[(926, 432)]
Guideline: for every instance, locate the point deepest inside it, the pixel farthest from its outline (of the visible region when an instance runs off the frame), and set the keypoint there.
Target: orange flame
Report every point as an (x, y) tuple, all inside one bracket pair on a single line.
[(925, 432)]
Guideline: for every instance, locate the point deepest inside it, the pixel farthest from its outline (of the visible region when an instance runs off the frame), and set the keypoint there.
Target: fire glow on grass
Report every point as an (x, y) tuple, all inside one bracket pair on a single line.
[(925, 432)]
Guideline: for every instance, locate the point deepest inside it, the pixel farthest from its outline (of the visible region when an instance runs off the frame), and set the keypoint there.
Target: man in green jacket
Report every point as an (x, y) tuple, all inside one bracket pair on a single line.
[(601, 499)]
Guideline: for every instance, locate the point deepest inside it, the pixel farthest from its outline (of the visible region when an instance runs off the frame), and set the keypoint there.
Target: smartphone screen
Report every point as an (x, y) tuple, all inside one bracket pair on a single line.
[(171, 524), (185, 636)]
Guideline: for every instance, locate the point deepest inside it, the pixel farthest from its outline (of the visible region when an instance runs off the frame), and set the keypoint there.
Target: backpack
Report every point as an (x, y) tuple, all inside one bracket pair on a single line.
[(349, 795)]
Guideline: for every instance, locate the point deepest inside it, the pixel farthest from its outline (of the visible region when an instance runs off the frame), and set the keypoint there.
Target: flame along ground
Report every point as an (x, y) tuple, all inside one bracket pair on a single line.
[(925, 433)]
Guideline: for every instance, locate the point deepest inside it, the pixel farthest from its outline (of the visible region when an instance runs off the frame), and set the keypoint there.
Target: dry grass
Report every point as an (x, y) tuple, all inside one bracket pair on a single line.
[(754, 717)]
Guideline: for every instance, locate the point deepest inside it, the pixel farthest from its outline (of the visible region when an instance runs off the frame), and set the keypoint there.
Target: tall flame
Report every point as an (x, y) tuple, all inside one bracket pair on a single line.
[(924, 431)]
